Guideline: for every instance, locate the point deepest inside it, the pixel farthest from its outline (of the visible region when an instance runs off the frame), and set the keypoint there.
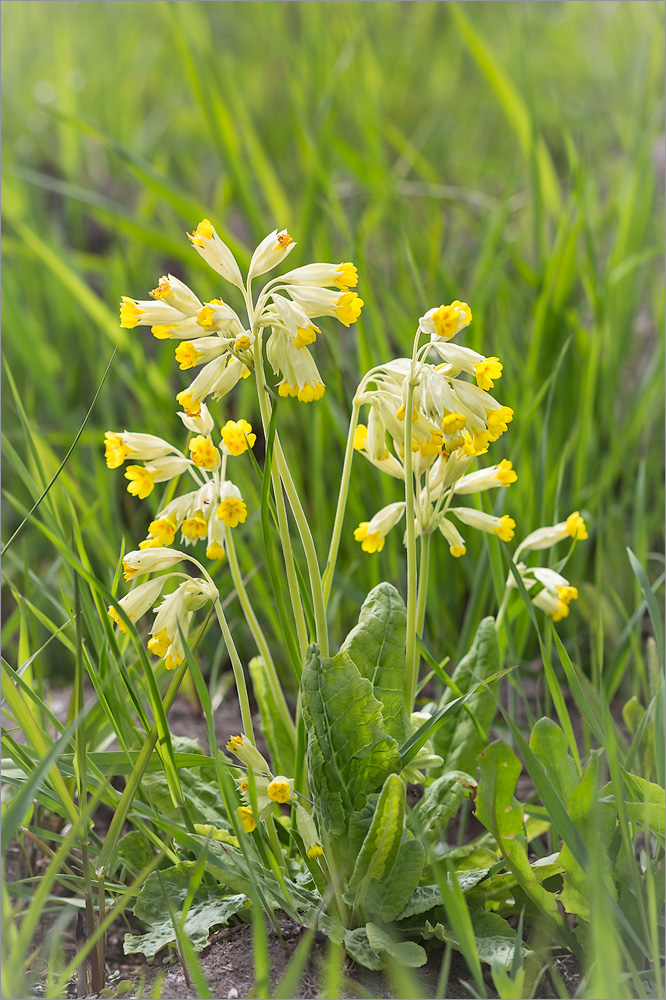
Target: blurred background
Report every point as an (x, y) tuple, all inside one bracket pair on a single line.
[(508, 154)]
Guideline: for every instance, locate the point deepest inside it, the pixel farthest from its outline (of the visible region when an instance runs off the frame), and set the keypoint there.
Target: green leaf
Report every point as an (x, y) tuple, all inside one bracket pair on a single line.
[(358, 948), (461, 743), (349, 753), (551, 746), (211, 908), (404, 952), (439, 803), (135, 851), (427, 897), (279, 740), (502, 815), (494, 938), (646, 805), (382, 841), (587, 813), (390, 897), (377, 647)]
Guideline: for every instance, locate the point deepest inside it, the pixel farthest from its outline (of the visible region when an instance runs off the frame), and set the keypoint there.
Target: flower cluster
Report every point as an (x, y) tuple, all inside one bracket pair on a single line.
[(174, 615), (453, 421), (202, 513), (212, 335), (550, 591), (269, 790)]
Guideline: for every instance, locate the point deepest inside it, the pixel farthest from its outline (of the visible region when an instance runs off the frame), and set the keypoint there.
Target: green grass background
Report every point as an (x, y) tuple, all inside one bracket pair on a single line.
[(509, 154)]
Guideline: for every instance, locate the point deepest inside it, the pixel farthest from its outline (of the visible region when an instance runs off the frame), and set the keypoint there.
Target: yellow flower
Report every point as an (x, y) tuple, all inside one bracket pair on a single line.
[(449, 320), (187, 355), (348, 308), (369, 542), (237, 435), (360, 437), (159, 643), (192, 407), (567, 594), (575, 526), (246, 818), (203, 231), (315, 851), (453, 422), (233, 743), (115, 450), (151, 543), (505, 474), (232, 511), (203, 452), (141, 481), (346, 276), (278, 789), (505, 528), (194, 527), (498, 420), (215, 551), (163, 530), (113, 613), (130, 313), (487, 370)]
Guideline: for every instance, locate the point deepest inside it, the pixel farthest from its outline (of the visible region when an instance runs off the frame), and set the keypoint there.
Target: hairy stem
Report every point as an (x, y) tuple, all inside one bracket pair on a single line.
[(237, 668), (327, 578), (411, 663), (259, 637)]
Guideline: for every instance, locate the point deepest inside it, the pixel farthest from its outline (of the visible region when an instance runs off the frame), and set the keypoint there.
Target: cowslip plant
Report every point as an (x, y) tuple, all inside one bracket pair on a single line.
[(320, 826)]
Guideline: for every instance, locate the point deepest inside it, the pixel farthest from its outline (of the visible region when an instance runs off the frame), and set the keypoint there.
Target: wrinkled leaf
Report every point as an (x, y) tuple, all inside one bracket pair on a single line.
[(349, 753), (391, 896), (377, 647), (403, 952), (382, 841), (211, 908), (358, 948), (495, 939), (439, 803), (427, 897), (135, 850)]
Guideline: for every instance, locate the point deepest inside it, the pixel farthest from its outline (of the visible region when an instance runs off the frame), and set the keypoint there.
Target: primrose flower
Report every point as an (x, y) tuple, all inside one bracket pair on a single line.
[(543, 538), (243, 748), (215, 252), (173, 617), (555, 593), (280, 789), (246, 817), (305, 825), (237, 436), (139, 561), (371, 534), (138, 602)]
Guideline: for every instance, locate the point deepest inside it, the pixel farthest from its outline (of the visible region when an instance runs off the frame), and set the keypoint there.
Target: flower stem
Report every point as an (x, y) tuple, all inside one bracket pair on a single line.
[(237, 667), (283, 526), (411, 661), (327, 578), (259, 637), (423, 592), (318, 603)]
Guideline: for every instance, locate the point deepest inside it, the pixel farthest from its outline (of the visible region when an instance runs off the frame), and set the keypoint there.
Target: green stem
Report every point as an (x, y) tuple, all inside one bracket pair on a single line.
[(275, 843), (410, 659), (283, 526), (327, 578), (423, 592), (319, 606), (237, 668), (258, 635)]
